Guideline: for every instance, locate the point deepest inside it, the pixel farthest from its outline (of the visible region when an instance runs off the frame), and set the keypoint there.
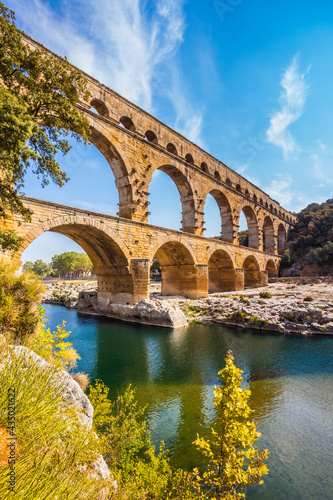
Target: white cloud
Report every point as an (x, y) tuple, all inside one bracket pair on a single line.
[(102, 208), (281, 190), (120, 43), (292, 102)]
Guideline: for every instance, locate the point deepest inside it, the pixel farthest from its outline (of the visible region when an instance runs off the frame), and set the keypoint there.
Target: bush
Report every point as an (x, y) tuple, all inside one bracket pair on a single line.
[(19, 294), (233, 461), (265, 295), (54, 449), (308, 299)]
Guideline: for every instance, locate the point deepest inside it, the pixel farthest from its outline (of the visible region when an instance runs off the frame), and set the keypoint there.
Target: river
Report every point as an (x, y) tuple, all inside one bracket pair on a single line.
[(174, 372)]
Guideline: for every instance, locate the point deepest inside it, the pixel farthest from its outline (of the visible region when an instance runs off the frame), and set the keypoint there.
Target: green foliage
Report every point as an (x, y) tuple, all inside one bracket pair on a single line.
[(38, 98), (71, 263), (265, 295), (233, 461), (10, 240), (312, 236), (287, 259), (125, 436), (18, 296), (54, 450), (254, 319), (322, 255), (39, 267), (308, 299), (239, 316), (244, 238), (52, 346)]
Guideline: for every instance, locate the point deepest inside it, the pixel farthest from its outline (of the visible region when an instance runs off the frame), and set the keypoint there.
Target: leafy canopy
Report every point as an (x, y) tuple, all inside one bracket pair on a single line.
[(39, 94)]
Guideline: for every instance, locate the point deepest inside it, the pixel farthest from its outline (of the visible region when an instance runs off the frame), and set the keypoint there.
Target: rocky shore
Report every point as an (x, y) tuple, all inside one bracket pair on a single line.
[(304, 308)]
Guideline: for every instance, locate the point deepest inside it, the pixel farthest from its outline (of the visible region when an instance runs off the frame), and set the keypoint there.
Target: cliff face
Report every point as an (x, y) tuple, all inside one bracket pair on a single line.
[(310, 245)]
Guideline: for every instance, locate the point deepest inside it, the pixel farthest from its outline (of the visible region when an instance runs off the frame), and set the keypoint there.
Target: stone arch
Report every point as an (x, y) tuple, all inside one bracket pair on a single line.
[(186, 196), (228, 182), (271, 269), (126, 122), (268, 235), (247, 193), (151, 136), (108, 253), (226, 214), (189, 159), (119, 169), (204, 167), (217, 175), (179, 273), (100, 107), (252, 275), (255, 199), (172, 148), (282, 238), (238, 188), (221, 272), (252, 225)]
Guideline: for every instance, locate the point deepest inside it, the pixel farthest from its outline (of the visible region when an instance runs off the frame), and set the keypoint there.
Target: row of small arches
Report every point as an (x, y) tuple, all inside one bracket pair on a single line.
[(150, 136)]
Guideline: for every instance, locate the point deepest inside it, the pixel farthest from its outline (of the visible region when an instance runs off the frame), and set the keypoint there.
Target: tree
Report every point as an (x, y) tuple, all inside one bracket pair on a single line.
[(71, 263), (18, 296), (39, 94), (233, 460)]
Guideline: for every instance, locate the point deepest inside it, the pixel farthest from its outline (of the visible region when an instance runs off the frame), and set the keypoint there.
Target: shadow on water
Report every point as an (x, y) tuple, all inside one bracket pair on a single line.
[(175, 371)]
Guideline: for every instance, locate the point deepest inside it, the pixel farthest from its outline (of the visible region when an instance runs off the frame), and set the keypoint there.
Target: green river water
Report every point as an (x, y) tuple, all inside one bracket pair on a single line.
[(174, 372)]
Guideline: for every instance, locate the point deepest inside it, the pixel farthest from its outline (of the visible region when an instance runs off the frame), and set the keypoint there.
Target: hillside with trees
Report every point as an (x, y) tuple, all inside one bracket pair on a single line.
[(310, 243)]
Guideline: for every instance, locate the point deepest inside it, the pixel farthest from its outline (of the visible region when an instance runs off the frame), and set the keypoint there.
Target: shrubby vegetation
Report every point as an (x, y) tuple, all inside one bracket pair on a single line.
[(311, 241)]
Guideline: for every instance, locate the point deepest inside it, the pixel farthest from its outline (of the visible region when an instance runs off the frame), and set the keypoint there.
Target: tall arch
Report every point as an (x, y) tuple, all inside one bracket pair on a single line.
[(226, 214), (119, 169), (252, 275), (186, 196), (252, 224), (221, 273), (109, 255), (179, 273), (282, 238), (268, 235)]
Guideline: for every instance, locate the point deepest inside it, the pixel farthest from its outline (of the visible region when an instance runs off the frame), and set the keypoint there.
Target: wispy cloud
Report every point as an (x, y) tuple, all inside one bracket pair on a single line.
[(125, 44), (102, 208), (292, 101), (281, 189)]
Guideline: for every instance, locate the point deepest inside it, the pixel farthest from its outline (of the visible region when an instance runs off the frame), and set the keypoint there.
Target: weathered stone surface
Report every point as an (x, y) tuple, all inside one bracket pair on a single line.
[(149, 312)]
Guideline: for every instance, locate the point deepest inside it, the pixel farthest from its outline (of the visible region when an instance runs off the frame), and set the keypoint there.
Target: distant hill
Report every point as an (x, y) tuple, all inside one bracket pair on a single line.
[(310, 244)]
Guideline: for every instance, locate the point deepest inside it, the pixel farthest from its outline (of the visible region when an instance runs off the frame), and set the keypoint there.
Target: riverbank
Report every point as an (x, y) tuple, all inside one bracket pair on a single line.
[(305, 308)]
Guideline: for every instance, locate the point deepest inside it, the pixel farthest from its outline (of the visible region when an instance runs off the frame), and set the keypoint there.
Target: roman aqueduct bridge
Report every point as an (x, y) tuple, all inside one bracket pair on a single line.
[(136, 144)]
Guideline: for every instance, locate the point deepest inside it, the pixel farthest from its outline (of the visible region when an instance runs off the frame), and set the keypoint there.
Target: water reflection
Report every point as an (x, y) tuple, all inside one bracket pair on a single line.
[(175, 370)]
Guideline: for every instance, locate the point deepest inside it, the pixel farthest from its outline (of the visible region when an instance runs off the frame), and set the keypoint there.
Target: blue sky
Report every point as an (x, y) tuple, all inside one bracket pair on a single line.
[(248, 80)]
